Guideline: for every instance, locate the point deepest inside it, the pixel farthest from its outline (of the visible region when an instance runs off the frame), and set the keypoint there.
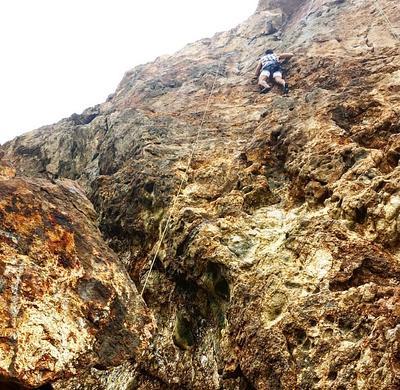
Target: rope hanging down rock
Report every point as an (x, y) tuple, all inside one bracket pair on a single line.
[(387, 20), (183, 180)]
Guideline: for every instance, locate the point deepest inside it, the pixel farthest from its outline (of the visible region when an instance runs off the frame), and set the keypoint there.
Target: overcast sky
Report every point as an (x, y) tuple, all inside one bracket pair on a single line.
[(62, 56)]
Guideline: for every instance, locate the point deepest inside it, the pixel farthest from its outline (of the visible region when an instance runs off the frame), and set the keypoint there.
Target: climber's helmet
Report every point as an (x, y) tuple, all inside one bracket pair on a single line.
[(269, 51)]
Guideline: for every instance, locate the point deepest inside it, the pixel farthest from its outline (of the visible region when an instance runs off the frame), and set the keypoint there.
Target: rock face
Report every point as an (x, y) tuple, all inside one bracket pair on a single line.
[(280, 265), (66, 302)]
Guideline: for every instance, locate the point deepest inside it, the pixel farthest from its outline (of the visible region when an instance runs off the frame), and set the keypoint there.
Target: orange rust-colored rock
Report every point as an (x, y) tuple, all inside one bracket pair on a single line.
[(66, 302)]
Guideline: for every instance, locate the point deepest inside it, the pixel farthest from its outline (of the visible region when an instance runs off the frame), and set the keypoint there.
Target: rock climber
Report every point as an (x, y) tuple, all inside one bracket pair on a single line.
[(269, 68)]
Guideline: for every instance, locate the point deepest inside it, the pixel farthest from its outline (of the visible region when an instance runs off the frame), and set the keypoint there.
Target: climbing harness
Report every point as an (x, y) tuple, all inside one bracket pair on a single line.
[(387, 20), (183, 180)]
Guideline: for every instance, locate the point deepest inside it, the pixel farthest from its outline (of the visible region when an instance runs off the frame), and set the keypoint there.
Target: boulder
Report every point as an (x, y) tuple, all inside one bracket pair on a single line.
[(66, 302)]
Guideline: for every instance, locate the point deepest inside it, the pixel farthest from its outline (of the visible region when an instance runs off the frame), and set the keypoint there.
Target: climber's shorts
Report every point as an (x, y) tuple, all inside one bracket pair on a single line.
[(267, 73)]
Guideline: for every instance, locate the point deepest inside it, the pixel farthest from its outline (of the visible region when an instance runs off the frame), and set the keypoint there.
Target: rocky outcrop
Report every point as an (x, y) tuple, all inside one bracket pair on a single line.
[(280, 265), (66, 302)]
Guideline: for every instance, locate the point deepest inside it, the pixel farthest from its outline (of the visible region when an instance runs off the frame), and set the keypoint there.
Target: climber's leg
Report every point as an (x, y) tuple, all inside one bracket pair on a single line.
[(262, 81), (279, 80)]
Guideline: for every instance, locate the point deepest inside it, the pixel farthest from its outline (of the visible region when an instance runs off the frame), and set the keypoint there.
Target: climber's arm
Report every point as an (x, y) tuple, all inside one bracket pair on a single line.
[(258, 70), (285, 56)]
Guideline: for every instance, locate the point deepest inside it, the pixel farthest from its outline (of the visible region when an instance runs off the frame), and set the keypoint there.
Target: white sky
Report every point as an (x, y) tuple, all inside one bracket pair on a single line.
[(62, 56)]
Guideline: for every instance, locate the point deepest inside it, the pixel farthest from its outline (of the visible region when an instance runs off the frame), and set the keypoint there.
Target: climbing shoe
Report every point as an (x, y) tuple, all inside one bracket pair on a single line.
[(265, 90), (286, 89)]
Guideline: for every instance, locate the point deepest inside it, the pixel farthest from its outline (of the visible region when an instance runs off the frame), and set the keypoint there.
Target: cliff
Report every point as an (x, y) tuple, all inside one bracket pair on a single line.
[(280, 263)]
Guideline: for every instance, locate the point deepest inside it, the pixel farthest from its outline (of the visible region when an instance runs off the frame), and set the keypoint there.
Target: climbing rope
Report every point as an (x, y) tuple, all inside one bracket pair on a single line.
[(386, 19), (183, 180)]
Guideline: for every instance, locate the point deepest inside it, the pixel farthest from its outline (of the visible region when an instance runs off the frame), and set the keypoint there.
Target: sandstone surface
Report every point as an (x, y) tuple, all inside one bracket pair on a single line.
[(280, 267)]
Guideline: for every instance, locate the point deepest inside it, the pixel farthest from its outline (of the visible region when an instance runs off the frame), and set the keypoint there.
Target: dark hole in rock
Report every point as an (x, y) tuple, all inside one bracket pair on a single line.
[(222, 289), (300, 335), (146, 202), (46, 386), (158, 265), (290, 284), (313, 322), (348, 159), (217, 282), (396, 356), (182, 247), (275, 135), (307, 345), (326, 195), (346, 324), (380, 186), (361, 330), (243, 157), (276, 311), (232, 374), (8, 385), (149, 187), (332, 375), (361, 214), (183, 335), (100, 367), (112, 229), (393, 157), (244, 384), (213, 270), (330, 318), (184, 285), (65, 261)]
